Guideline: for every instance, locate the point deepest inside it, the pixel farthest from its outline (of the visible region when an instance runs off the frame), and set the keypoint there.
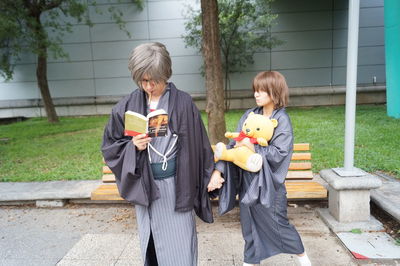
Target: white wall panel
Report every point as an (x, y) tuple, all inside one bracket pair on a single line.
[(367, 37), (303, 21), (158, 10), (130, 13), (302, 59), (261, 62), (63, 20), (19, 90), (186, 64), (365, 74), (72, 88), (114, 50), (166, 28), (369, 17), (307, 77), (191, 83), (242, 81), (111, 32), (111, 69), (74, 70), (76, 52), (304, 40), (114, 86), (371, 3), (26, 58), (24, 73), (313, 54), (79, 34), (366, 56), (301, 6)]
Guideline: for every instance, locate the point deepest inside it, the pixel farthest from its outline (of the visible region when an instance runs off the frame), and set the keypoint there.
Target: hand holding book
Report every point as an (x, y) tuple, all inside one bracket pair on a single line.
[(141, 141)]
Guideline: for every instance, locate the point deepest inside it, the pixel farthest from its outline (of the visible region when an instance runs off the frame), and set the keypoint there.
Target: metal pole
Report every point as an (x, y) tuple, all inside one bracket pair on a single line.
[(351, 83)]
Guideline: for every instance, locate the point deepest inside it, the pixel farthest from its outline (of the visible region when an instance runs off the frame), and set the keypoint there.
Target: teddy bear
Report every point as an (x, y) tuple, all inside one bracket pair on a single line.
[(256, 129)]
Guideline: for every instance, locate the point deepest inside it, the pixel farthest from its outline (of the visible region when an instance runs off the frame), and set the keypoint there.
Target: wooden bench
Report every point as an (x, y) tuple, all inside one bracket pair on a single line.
[(299, 184)]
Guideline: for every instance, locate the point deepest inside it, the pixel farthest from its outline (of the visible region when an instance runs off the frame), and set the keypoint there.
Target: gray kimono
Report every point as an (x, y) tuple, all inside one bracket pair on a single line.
[(165, 208), (263, 203)]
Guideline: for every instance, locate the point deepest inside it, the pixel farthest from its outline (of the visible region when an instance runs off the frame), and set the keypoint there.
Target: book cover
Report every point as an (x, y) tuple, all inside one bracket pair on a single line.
[(155, 124)]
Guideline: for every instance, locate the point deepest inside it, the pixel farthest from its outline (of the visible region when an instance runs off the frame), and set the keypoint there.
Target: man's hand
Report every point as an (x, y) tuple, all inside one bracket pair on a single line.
[(216, 181), (141, 141)]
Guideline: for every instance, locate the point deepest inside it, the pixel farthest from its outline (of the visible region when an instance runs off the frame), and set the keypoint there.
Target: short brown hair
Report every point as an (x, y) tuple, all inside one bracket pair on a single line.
[(273, 83)]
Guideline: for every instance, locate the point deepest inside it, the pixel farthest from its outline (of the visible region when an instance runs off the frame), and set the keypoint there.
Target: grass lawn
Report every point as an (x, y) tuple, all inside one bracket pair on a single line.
[(34, 150)]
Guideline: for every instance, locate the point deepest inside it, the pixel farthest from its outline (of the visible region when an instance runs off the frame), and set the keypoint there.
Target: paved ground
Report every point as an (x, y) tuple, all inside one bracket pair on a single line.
[(387, 197), (106, 235)]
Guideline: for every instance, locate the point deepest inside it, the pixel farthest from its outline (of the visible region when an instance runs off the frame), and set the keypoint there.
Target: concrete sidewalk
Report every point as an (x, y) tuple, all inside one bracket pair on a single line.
[(387, 197), (107, 235), (96, 234), (220, 244)]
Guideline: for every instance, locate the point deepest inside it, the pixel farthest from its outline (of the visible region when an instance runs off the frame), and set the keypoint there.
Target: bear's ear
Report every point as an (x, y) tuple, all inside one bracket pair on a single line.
[(274, 122), (251, 113)]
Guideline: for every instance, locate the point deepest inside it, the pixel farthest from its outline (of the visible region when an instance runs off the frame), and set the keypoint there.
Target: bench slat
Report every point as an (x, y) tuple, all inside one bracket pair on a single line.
[(301, 147), (295, 190), (305, 190), (299, 175), (108, 178), (106, 192), (298, 156), (300, 166), (106, 170)]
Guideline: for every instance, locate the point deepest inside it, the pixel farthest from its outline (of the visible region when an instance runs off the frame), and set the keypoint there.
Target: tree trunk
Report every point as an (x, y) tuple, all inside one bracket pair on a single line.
[(41, 76), (213, 71)]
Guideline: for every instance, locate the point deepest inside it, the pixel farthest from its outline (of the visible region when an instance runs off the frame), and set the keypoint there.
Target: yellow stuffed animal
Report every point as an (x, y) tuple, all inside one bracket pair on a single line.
[(257, 129)]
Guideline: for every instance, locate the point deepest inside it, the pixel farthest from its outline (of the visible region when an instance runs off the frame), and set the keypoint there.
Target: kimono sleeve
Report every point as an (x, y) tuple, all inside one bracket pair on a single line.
[(121, 156), (206, 166)]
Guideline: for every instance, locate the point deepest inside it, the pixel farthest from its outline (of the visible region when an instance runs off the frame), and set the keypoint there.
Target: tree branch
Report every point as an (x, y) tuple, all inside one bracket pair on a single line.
[(50, 5)]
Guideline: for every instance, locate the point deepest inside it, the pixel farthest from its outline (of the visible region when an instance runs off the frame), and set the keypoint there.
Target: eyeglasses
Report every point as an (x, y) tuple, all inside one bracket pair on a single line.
[(150, 82)]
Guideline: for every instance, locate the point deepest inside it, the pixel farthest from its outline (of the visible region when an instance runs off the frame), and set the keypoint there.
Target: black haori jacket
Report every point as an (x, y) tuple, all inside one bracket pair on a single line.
[(194, 160)]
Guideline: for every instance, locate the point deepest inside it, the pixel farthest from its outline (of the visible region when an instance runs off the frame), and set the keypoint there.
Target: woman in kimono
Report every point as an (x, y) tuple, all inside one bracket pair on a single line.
[(263, 203), (165, 177)]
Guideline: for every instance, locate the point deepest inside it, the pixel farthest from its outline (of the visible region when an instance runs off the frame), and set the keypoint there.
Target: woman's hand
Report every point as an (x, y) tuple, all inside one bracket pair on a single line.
[(141, 141), (216, 181), (245, 142)]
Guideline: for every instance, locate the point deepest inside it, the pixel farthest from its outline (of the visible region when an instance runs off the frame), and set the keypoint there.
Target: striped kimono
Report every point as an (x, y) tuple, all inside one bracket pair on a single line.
[(173, 233)]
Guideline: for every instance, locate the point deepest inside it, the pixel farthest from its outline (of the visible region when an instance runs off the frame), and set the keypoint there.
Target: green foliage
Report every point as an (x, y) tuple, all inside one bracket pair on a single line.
[(397, 241), (245, 28), (34, 150), (28, 26)]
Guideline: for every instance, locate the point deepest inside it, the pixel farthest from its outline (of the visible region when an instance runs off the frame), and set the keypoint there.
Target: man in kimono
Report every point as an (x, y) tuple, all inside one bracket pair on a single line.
[(165, 177)]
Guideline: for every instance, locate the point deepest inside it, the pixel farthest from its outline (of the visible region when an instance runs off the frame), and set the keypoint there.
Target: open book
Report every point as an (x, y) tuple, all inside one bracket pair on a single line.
[(155, 124)]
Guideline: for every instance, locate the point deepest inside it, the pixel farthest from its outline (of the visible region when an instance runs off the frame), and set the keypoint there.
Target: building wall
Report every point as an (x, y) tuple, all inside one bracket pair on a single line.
[(314, 52)]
